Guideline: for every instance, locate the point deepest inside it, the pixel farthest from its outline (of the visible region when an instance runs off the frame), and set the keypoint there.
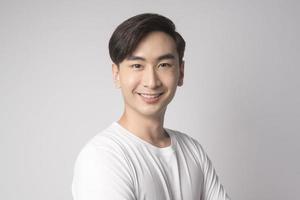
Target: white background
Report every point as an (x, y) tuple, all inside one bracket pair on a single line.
[(240, 97)]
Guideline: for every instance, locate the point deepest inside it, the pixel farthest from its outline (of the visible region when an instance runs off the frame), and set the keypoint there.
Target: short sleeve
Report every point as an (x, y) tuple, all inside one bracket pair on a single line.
[(212, 188), (100, 173)]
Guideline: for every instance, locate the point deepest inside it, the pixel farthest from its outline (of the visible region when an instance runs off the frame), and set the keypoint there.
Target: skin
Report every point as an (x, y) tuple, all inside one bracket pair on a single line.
[(152, 68)]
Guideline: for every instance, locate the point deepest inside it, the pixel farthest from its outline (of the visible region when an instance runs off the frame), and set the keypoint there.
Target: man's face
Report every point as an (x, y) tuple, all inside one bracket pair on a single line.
[(149, 77)]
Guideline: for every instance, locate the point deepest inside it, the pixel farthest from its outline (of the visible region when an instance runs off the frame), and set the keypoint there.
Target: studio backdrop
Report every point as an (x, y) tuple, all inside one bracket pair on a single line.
[(240, 98)]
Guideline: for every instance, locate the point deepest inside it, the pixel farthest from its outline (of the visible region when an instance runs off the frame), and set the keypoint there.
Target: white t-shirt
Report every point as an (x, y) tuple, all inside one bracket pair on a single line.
[(118, 165)]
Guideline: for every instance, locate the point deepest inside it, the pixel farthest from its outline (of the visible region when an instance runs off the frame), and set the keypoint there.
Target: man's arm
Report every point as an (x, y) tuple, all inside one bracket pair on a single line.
[(101, 174), (212, 188)]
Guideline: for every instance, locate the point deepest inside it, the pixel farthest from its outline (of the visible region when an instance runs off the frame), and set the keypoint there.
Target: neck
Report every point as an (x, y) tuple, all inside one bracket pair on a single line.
[(148, 128)]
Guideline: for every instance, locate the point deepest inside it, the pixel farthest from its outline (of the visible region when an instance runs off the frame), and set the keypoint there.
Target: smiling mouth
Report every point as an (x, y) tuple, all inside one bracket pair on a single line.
[(150, 96)]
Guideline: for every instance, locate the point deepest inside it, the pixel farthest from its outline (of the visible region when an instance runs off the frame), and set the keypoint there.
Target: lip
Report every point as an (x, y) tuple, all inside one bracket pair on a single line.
[(150, 98)]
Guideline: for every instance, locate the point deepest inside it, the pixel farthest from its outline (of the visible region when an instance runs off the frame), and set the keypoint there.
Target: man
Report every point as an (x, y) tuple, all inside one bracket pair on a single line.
[(136, 158)]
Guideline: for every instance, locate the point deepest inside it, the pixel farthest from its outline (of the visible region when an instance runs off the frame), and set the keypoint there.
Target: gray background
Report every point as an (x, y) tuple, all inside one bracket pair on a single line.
[(240, 97)]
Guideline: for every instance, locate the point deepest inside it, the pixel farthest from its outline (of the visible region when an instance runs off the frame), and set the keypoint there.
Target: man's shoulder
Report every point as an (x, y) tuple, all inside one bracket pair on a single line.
[(189, 145), (185, 138), (181, 135), (106, 141)]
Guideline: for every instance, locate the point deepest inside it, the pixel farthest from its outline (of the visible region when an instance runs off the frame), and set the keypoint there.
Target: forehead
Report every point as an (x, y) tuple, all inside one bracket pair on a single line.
[(154, 45)]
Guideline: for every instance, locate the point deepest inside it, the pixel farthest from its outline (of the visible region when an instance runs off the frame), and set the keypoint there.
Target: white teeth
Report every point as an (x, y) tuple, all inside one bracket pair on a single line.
[(150, 95)]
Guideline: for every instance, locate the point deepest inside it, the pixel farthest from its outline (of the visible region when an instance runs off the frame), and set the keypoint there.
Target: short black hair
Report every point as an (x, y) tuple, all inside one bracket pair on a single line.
[(128, 35)]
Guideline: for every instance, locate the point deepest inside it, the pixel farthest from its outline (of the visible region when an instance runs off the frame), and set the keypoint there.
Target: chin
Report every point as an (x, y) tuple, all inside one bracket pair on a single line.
[(152, 112)]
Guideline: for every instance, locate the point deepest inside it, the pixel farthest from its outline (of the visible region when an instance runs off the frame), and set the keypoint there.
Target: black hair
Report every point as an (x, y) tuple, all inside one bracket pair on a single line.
[(128, 34)]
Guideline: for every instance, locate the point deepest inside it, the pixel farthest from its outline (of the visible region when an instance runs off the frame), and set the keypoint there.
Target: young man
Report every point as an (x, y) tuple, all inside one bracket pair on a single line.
[(136, 158)]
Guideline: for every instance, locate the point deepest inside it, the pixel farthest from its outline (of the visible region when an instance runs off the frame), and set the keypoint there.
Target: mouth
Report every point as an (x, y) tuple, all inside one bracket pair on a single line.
[(150, 95), (150, 98)]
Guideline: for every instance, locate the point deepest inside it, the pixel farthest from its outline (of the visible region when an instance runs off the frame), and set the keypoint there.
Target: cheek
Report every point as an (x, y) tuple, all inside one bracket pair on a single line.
[(129, 81), (171, 80)]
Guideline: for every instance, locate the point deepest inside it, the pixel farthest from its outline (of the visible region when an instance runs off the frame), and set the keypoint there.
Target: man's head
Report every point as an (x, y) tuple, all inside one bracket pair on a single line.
[(148, 66), (128, 35)]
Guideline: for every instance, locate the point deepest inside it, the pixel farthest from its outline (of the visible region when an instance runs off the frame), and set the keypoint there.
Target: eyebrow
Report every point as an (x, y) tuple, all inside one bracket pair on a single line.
[(162, 57)]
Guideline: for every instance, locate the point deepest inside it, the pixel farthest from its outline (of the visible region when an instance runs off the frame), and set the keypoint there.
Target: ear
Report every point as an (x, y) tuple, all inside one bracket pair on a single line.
[(116, 76), (181, 74)]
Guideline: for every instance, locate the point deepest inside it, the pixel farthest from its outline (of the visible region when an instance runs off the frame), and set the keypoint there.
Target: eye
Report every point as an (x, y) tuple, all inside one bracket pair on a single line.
[(165, 65), (136, 66)]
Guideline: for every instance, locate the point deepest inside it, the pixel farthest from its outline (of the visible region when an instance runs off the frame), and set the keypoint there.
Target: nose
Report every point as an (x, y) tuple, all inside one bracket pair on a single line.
[(151, 79)]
